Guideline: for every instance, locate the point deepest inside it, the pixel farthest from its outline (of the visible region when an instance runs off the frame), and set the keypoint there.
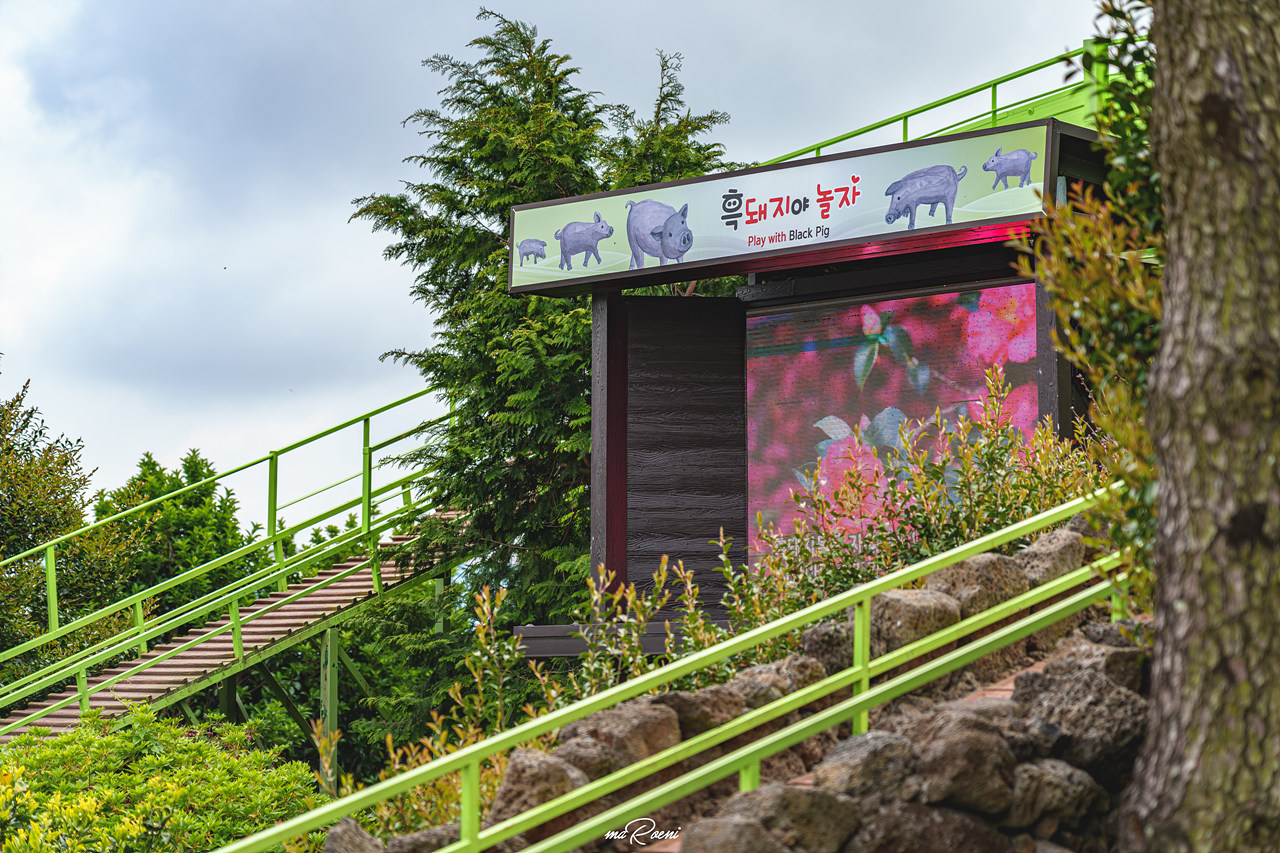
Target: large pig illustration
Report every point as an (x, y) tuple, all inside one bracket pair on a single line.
[(932, 186), (536, 248), (582, 237), (657, 229), (1015, 164)]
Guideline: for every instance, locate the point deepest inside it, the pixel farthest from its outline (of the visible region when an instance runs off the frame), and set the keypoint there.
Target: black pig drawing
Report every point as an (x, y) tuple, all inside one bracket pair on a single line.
[(657, 229), (1015, 164), (582, 237), (536, 248), (932, 186)]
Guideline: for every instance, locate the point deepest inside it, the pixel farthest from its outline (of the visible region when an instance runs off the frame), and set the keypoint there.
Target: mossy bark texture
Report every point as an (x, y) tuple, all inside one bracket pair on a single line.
[(1209, 776)]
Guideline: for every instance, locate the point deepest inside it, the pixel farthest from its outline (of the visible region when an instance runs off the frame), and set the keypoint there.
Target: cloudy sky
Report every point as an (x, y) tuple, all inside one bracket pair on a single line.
[(176, 265)]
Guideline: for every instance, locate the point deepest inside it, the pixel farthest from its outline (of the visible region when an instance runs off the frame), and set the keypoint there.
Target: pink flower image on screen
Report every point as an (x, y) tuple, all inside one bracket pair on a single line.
[(817, 374)]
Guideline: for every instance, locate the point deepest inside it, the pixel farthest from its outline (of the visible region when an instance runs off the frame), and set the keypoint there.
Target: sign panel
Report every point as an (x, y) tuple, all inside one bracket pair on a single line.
[(634, 235), (815, 374)]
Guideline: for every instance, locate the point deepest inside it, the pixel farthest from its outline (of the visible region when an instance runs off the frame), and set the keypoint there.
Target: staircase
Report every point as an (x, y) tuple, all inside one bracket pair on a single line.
[(205, 656)]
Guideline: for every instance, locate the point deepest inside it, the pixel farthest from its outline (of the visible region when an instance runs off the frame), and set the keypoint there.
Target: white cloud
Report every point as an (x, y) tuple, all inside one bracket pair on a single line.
[(176, 265)]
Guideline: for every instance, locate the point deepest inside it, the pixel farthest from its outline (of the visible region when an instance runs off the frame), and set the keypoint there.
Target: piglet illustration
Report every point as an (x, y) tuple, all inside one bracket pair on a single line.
[(657, 229), (932, 186), (536, 248), (582, 237), (1015, 164)]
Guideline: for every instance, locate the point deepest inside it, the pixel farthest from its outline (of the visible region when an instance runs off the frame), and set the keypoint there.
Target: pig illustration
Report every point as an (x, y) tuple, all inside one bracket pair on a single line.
[(932, 186), (1014, 164), (537, 248), (657, 229), (582, 237)]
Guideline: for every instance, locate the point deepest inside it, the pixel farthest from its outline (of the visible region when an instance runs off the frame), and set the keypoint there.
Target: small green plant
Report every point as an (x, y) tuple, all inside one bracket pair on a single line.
[(944, 483), (477, 710), (154, 785)]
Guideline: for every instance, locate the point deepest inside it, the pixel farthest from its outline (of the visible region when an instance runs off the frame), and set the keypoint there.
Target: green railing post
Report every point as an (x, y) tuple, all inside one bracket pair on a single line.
[(329, 702), (236, 639), (749, 777), (905, 136), (366, 505), (51, 586), (137, 623), (995, 108), (1096, 77), (861, 657), (470, 818), (227, 698), (439, 591), (277, 546), (82, 690)]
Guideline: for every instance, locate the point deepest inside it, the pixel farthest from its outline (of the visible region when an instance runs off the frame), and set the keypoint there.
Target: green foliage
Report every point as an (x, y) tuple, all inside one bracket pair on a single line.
[(42, 497), (949, 482), (665, 146), (1101, 256), (152, 786), (183, 532), (513, 456)]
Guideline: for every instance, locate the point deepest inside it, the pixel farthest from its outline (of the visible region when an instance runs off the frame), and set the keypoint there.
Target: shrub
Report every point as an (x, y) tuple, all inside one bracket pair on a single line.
[(946, 483), (154, 785), (1101, 257)]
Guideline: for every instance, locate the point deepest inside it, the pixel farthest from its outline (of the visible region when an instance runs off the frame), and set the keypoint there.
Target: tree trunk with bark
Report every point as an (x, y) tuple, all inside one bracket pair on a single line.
[(1209, 775)]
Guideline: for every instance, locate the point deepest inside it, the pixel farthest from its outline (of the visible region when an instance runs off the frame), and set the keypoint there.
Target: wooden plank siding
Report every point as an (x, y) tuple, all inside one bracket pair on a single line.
[(686, 437)]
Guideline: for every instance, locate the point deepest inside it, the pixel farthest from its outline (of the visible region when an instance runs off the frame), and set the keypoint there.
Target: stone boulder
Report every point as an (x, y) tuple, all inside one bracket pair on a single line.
[(704, 709), (1123, 633), (636, 729), (729, 835), (1104, 723), (902, 616), (1051, 556), (1125, 665), (794, 672), (831, 644), (916, 828), (803, 820), (962, 760), (1028, 739), (1048, 793), (589, 755), (977, 584), (531, 779), (440, 837), (874, 763), (347, 837)]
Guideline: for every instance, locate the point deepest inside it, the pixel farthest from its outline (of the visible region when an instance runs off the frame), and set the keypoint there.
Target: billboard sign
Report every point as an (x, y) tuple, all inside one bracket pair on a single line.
[(646, 234)]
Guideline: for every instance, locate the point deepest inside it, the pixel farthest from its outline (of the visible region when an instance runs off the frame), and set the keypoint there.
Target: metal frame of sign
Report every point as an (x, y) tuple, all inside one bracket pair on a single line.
[(797, 220)]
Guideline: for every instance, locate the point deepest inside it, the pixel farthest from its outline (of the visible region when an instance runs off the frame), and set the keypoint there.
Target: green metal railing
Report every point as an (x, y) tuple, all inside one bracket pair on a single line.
[(1058, 599), (1081, 97), (380, 507)]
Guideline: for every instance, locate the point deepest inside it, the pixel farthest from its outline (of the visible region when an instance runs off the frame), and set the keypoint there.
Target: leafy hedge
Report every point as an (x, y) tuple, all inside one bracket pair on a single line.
[(155, 785)]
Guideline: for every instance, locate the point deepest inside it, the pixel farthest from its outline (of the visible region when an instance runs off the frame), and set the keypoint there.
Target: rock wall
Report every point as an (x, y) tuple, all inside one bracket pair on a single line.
[(1036, 773), (910, 777)]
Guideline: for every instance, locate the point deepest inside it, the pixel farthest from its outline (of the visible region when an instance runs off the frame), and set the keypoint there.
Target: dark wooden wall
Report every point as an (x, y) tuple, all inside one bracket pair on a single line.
[(684, 460)]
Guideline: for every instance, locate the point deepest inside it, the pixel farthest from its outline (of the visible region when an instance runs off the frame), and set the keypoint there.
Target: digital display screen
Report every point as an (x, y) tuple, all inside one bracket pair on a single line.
[(817, 374)]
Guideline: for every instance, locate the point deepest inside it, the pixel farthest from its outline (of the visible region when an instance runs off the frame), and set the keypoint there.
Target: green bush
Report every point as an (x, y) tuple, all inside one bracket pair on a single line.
[(1100, 254), (154, 785)]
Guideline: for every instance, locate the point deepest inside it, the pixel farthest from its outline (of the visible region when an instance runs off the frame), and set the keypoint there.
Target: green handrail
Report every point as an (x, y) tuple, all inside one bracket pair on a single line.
[(135, 638), (467, 760), (1088, 88), (226, 598)]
